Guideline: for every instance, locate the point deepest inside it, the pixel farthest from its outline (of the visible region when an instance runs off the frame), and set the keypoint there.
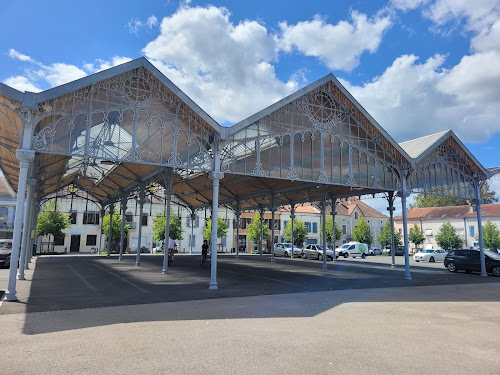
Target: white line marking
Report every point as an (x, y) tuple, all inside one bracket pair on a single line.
[(81, 278), (260, 277), (122, 279)]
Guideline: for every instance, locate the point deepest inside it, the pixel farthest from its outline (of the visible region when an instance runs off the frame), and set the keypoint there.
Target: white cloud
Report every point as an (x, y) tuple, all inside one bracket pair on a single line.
[(22, 84), (225, 68), (476, 14), (59, 73), (337, 46), (152, 21), (17, 55), (116, 60), (406, 5), (411, 99), (39, 75), (135, 25)]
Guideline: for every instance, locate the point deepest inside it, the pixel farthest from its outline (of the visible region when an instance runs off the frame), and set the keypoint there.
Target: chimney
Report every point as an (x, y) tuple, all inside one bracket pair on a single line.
[(472, 208)]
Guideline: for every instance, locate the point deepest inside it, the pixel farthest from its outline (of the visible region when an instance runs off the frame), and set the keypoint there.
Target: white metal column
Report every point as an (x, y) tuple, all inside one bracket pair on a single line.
[(480, 227), (405, 228), (261, 230), (26, 229), (110, 232), (141, 210), (215, 177), (391, 209), (334, 228), (168, 196), (122, 230), (323, 236), (24, 156)]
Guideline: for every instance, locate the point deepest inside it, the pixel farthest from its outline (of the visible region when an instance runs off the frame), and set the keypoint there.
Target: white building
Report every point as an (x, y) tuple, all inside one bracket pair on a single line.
[(462, 218)]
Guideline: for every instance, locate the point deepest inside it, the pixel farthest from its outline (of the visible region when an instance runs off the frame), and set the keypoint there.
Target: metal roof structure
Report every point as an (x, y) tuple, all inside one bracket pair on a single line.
[(109, 132), (114, 133)]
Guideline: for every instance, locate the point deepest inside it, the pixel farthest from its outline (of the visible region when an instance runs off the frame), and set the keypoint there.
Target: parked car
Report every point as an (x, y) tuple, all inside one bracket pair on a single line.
[(316, 252), (400, 250), (430, 256), (375, 251), (285, 250), (354, 249), (5, 252), (470, 260)]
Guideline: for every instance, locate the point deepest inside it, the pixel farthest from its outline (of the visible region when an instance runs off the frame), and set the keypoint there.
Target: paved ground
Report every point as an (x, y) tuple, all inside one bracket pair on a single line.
[(98, 315)]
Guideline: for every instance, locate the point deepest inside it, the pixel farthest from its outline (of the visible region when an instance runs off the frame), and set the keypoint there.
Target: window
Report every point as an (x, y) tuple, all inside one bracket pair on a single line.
[(428, 232), (59, 241), (192, 241), (308, 226), (145, 220), (91, 218), (91, 239), (471, 230), (344, 229), (355, 216), (129, 217), (73, 217), (223, 241), (315, 227), (285, 223)]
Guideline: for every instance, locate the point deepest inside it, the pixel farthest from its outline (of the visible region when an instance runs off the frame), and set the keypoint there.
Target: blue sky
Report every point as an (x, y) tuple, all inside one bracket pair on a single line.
[(418, 66)]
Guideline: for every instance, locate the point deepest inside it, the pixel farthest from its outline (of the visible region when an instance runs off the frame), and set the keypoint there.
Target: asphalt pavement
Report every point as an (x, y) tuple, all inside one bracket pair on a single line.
[(86, 315)]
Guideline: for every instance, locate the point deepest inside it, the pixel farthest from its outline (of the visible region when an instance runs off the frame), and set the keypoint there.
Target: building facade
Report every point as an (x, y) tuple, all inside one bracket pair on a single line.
[(462, 218)]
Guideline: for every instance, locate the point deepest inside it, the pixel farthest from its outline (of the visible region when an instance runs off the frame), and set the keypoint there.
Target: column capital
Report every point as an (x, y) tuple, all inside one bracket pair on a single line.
[(216, 175), (31, 182), (391, 208), (406, 194), (168, 191), (25, 157)]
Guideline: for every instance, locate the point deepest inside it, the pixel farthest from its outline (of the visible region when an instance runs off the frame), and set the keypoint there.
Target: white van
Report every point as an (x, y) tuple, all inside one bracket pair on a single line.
[(355, 249)]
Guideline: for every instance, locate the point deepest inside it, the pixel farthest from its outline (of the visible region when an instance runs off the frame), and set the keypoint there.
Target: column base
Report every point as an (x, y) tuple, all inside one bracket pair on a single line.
[(213, 286), (272, 261), (407, 277), (10, 297), (137, 264), (324, 268), (484, 275), (393, 266), (20, 277), (164, 272)]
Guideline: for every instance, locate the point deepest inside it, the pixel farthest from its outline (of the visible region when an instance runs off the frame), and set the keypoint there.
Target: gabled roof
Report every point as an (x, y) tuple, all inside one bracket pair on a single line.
[(346, 208), (119, 69), (350, 102), (419, 148)]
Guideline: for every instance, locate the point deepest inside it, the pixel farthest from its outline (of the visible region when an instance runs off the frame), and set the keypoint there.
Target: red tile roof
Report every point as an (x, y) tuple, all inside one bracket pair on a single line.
[(344, 208), (451, 212)]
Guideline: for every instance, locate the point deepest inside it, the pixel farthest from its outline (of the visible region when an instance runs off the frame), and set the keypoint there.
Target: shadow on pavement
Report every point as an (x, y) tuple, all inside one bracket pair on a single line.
[(62, 284)]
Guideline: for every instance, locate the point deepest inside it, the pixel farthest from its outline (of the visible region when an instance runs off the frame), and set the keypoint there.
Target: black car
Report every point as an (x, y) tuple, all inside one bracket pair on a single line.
[(469, 261), (5, 252)]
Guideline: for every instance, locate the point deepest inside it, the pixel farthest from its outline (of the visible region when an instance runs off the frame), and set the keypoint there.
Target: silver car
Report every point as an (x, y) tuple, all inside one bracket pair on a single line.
[(316, 252), (285, 249)]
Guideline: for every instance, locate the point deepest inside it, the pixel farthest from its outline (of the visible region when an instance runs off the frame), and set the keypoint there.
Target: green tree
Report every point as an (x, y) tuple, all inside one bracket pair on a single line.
[(175, 231), (222, 229), (116, 229), (447, 237), (329, 230), (52, 222), (416, 236), (385, 236), (299, 232), (491, 236), (421, 200), (362, 232), (253, 230)]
